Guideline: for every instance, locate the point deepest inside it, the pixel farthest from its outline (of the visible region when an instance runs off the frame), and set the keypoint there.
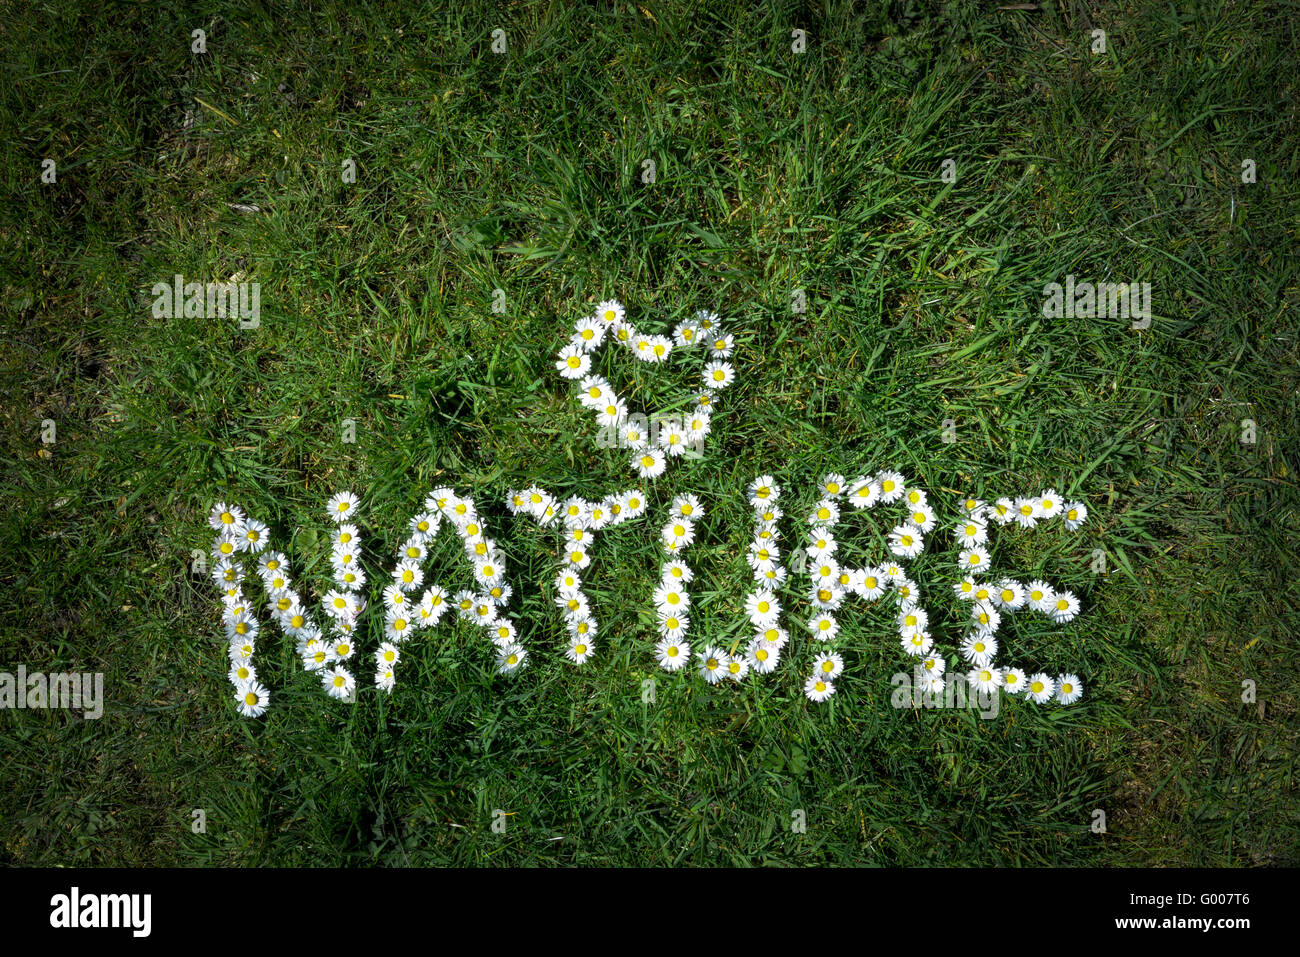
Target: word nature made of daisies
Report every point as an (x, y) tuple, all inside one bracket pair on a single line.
[(326, 635)]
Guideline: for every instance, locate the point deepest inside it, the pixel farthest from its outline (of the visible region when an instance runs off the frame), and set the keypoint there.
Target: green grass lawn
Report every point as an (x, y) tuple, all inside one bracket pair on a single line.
[(775, 171)]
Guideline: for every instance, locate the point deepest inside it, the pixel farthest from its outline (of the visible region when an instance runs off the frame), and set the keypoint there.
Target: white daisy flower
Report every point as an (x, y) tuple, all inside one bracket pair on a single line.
[(906, 542), (589, 332), (272, 562), (574, 605), (984, 679), (293, 620), (226, 545), (1069, 688), (241, 625), (579, 650), (461, 511), (387, 655), (433, 604), (594, 391), (873, 584), (502, 633), (1040, 688), (634, 504), (598, 516), (762, 608), (832, 485), (394, 596), (824, 514), (892, 486), (1008, 595), (718, 375), (821, 544), (316, 655), (1013, 680), (1026, 512), (931, 684), (1074, 514), (385, 679), (672, 654), (573, 362), (922, 517), (672, 438), (916, 643), (721, 347), (1002, 511), (438, 498), (484, 612), (254, 536), (228, 571), (971, 532), (342, 506), (826, 597), (737, 668), (973, 507), (697, 426), (670, 598), (823, 627), (624, 334), (633, 436), (510, 658), (762, 557), (568, 583), (979, 650), (640, 344), (611, 414), (907, 592), (577, 556), (818, 689), (338, 681), (934, 665), (253, 699), (864, 492), (650, 463), (661, 348), (828, 665), (676, 571), (610, 312), (763, 491), (226, 518), (762, 656), (1049, 504), (985, 618), (408, 576), (770, 577), (825, 572), (773, 635), (679, 531), (713, 664), (965, 589), (398, 626), (1065, 607), (974, 559), (342, 648), (241, 672), (913, 619), (1040, 597), (673, 625), (685, 334)]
